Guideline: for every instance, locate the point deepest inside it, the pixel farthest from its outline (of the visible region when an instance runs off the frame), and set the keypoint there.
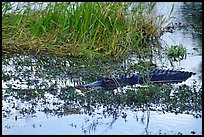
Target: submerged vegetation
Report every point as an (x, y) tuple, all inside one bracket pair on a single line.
[(90, 29)]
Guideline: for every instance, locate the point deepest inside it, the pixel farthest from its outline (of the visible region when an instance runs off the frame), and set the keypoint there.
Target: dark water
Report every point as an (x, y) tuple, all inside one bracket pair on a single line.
[(31, 114)]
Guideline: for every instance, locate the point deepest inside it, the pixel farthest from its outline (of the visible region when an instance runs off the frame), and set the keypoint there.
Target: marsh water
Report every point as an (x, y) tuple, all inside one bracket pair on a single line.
[(48, 111)]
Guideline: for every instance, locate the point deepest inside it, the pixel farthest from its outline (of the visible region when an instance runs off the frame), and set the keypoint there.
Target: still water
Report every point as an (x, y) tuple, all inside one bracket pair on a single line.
[(135, 122)]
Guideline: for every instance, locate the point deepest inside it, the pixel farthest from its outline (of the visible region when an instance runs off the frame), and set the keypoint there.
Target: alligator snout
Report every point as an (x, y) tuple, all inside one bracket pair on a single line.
[(89, 87)]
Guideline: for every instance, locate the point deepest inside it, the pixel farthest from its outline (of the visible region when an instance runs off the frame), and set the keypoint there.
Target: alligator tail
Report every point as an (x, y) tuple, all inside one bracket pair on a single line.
[(169, 76), (160, 76)]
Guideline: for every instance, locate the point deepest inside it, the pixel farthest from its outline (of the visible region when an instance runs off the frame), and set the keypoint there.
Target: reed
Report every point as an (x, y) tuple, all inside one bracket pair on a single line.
[(89, 29)]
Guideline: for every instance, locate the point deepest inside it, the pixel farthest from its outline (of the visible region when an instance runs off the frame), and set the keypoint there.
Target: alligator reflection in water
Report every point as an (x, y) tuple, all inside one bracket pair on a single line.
[(154, 76)]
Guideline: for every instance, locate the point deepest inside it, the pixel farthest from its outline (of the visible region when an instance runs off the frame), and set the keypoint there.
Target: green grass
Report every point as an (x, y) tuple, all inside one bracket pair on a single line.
[(90, 29)]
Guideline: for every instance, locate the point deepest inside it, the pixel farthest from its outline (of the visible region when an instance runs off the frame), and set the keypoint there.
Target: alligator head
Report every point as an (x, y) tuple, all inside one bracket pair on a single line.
[(105, 83)]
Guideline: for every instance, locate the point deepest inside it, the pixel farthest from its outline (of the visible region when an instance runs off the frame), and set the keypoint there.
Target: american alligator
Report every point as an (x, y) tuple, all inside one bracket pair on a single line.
[(152, 76)]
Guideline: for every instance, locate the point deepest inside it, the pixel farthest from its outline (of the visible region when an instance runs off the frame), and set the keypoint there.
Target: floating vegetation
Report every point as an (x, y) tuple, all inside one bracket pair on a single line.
[(54, 86)]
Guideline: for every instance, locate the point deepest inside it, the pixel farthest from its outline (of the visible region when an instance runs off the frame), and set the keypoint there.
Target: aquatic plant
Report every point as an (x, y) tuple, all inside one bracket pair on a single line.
[(177, 52)]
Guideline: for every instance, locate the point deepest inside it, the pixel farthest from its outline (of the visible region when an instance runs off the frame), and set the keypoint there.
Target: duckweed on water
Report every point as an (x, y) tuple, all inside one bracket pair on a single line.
[(42, 87)]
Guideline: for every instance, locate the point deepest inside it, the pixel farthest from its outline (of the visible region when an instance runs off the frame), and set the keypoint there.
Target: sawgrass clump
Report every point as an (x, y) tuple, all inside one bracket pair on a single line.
[(90, 29)]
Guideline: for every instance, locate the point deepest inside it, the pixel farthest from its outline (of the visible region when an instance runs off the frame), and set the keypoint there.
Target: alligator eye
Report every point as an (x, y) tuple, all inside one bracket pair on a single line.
[(106, 80)]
